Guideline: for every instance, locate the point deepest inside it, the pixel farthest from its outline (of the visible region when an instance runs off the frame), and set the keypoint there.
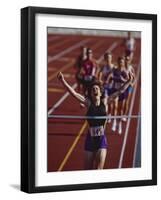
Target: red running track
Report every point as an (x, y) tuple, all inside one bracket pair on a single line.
[(66, 137)]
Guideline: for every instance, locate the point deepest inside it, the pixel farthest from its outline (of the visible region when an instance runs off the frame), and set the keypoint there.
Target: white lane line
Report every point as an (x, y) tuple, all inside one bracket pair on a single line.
[(136, 140), (129, 119), (57, 44), (112, 47), (60, 101), (62, 53), (53, 38)]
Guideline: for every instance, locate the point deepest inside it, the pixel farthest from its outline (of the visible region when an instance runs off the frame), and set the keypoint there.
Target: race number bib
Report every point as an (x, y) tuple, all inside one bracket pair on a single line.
[(96, 131)]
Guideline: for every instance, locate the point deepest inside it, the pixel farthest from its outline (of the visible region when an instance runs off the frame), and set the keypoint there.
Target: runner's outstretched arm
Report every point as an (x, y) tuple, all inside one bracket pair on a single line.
[(75, 94)]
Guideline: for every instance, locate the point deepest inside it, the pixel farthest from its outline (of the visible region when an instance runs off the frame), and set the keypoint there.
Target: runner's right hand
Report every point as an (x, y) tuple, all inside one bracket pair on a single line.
[(60, 76)]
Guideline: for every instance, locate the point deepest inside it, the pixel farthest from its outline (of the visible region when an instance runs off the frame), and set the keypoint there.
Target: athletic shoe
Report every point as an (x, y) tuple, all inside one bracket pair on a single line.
[(109, 120), (120, 128), (124, 119), (114, 125), (82, 105)]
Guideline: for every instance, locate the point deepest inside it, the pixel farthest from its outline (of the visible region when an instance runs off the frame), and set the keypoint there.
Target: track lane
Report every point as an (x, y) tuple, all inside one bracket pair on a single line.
[(131, 139), (64, 138)]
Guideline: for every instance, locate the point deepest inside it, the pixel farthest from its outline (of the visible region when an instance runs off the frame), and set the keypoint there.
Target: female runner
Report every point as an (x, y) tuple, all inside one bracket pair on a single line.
[(105, 77), (89, 68), (96, 103), (120, 77), (130, 71), (130, 46), (79, 62)]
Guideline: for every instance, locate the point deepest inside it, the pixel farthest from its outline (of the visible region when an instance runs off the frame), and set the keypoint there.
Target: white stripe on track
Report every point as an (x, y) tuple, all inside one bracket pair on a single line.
[(53, 38), (61, 100), (62, 53), (111, 48), (129, 120)]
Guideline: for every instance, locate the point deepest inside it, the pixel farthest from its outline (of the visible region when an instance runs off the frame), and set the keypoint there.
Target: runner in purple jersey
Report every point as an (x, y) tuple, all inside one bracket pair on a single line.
[(97, 105), (119, 78), (105, 76)]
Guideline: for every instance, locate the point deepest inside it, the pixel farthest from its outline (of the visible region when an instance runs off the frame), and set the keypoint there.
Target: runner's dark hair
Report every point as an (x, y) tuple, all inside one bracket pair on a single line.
[(98, 83)]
